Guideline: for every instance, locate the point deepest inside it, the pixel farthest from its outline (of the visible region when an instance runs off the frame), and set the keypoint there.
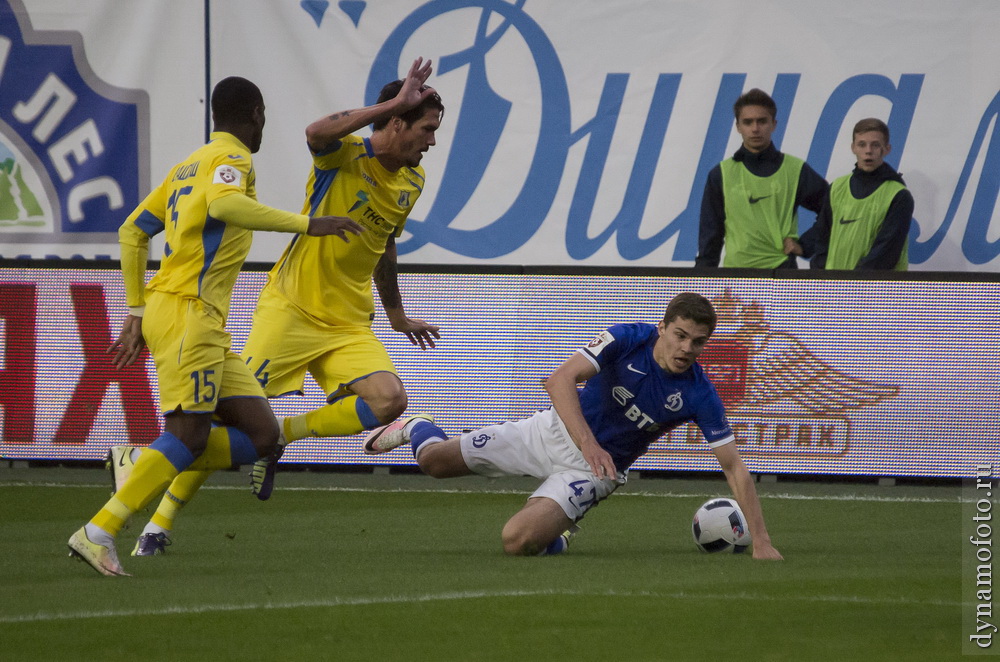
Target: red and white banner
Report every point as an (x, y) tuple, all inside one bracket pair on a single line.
[(872, 377)]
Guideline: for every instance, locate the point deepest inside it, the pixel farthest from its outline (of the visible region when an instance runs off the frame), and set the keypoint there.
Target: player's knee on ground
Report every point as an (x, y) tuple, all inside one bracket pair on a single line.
[(518, 541)]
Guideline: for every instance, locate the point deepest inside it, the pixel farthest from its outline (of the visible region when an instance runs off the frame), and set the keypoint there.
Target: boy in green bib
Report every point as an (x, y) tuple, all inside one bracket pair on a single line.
[(865, 220), (751, 200)]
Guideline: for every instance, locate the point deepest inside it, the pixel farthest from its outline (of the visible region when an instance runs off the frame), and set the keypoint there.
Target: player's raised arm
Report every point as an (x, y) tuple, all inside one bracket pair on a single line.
[(742, 485), (323, 134)]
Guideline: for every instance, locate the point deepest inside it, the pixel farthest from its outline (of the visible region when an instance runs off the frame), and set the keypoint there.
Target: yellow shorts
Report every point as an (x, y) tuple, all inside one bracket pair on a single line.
[(285, 342), (194, 364)]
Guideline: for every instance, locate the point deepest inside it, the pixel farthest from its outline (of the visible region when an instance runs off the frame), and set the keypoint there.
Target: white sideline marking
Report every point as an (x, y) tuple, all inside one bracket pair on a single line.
[(43, 617), (662, 495)]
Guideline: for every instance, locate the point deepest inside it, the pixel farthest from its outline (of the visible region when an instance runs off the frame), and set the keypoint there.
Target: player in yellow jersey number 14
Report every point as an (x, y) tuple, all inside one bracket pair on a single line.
[(316, 311)]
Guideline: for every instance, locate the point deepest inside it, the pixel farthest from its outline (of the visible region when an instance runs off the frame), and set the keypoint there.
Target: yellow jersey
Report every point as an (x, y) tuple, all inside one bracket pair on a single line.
[(202, 255), (328, 278)]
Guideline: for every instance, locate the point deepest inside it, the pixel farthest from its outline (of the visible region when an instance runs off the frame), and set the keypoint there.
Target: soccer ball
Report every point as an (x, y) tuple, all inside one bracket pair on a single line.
[(719, 526)]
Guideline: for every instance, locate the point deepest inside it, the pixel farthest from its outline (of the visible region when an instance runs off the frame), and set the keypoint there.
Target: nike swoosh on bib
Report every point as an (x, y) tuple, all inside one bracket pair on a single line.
[(845, 221), (754, 200)]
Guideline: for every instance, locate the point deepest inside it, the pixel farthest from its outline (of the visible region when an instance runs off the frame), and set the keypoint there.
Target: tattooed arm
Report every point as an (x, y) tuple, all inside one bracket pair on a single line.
[(387, 283), (324, 134)]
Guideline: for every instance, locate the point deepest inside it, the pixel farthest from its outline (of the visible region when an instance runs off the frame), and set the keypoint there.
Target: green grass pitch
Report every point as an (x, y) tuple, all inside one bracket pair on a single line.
[(401, 567)]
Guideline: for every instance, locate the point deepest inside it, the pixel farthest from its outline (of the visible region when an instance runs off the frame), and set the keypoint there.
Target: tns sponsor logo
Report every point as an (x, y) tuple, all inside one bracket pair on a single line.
[(73, 150)]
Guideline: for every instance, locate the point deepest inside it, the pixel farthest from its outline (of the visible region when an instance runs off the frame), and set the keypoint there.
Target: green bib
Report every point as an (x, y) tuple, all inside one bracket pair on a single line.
[(759, 213), (855, 223)]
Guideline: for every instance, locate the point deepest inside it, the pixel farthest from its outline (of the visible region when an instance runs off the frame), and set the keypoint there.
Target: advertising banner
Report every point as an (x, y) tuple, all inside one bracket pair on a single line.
[(862, 377)]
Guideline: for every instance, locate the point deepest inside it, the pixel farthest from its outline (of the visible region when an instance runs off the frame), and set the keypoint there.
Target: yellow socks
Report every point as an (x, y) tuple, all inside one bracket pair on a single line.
[(180, 492), (339, 419), (154, 470)]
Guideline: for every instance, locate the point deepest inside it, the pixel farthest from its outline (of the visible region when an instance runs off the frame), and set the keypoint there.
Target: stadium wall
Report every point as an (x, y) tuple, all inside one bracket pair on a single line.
[(576, 133)]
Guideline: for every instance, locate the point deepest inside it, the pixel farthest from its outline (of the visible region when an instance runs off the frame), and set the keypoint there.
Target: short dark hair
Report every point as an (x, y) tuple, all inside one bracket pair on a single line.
[(755, 97), (234, 100), (692, 307), (413, 114), (871, 124)]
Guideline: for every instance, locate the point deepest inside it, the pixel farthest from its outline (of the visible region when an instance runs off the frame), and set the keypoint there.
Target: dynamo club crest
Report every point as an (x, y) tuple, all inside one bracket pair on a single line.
[(73, 149)]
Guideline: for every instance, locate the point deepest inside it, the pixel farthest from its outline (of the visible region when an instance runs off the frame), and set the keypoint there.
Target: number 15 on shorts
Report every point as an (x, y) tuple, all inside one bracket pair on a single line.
[(204, 387)]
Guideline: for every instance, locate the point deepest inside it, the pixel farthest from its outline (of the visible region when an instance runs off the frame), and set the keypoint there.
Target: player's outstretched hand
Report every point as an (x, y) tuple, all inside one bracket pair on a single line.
[(129, 344), (413, 91), (321, 226), (418, 331), (766, 551)]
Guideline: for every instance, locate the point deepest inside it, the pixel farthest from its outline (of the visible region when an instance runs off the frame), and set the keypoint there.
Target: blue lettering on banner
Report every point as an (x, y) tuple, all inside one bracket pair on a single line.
[(975, 246), (60, 126), (478, 132), (482, 119)]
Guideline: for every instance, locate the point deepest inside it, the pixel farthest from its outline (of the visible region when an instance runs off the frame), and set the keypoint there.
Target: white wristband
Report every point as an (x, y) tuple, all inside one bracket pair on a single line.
[(136, 311)]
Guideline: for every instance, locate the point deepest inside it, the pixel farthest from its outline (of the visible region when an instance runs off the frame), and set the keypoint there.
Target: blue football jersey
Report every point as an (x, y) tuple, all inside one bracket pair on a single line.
[(631, 401)]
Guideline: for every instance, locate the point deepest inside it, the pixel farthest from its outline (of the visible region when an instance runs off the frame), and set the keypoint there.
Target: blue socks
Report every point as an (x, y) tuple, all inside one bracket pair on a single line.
[(422, 431)]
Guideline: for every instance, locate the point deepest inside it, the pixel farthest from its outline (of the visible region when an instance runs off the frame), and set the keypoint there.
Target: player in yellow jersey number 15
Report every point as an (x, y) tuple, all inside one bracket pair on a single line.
[(207, 210)]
